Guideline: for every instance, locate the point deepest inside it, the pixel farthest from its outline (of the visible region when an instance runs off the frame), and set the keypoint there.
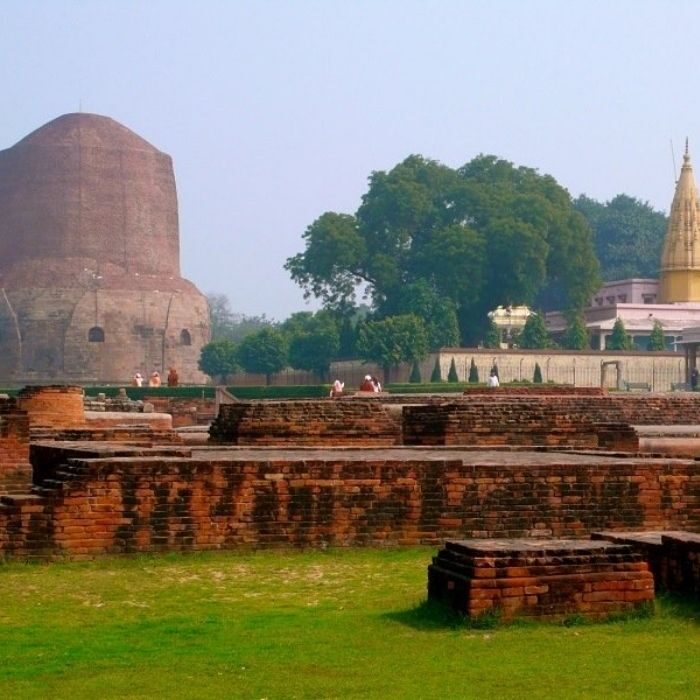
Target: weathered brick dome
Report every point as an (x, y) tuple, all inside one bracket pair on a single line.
[(90, 285)]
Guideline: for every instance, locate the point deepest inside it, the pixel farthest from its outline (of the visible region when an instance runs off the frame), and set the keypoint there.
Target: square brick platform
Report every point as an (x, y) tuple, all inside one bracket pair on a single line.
[(544, 579), (673, 556)]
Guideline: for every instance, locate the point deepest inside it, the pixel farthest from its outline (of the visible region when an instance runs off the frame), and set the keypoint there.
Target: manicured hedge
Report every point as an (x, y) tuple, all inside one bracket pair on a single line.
[(430, 388), (294, 391)]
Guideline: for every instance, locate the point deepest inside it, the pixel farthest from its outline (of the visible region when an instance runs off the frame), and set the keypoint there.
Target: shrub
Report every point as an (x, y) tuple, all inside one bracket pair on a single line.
[(473, 373), (436, 376), (452, 374), (537, 375), (415, 377)]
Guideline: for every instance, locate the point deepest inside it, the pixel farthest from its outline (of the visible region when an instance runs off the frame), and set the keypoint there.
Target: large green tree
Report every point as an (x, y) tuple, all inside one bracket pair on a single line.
[(264, 352), (393, 340), (429, 237), (218, 359), (628, 234), (314, 340)]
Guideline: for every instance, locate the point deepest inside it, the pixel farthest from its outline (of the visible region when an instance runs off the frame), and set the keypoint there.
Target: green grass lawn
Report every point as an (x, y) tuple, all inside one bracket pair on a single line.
[(334, 624)]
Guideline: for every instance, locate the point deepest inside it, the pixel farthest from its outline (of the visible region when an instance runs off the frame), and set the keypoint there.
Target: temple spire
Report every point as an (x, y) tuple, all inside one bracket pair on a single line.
[(680, 260)]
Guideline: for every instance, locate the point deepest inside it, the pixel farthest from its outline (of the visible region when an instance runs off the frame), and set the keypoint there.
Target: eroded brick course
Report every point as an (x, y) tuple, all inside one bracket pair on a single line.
[(230, 499)]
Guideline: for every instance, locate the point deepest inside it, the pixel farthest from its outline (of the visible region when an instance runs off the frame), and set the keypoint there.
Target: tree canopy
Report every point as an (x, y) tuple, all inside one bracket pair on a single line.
[(314, 340), (535, 335), (427, 237), (628, 234), (218, 358), (264, 352), (393, 340)]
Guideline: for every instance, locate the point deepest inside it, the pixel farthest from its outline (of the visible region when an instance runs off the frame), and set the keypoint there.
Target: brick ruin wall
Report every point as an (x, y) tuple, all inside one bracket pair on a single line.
[(144, 504), (53, 406), (571, 421), (325, 422), (15, 467), (658, 409), (567, 418), (115, 504), (565, 421)]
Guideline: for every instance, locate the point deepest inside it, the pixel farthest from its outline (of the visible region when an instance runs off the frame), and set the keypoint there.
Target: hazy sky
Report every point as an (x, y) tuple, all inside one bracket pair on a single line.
[(275, 112)]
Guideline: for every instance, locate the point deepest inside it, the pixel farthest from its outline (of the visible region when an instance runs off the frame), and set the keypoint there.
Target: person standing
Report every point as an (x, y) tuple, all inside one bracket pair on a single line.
[(173, 378)]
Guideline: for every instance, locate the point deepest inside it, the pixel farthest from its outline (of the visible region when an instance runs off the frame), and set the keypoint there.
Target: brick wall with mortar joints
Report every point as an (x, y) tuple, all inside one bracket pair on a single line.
[(15, 467), (159, 504), (557, 581), (324, 422)]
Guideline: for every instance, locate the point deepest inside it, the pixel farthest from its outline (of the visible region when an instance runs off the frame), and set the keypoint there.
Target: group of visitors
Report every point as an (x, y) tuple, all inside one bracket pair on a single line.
[(370, 383), (154, 380)]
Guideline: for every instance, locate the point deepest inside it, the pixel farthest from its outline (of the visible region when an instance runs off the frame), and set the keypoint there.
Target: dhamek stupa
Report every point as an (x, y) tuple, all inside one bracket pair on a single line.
[(90, 284)]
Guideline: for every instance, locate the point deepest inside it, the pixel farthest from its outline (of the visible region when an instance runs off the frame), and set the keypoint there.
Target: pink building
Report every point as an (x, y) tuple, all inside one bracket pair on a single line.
[(633, 301)]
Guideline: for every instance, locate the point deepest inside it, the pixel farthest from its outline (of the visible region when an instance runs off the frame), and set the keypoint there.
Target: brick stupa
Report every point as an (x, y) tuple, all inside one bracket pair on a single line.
[(90, 284)]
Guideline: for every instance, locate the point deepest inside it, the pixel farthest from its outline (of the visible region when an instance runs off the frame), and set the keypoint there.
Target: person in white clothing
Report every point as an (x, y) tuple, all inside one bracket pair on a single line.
[(493, 379)]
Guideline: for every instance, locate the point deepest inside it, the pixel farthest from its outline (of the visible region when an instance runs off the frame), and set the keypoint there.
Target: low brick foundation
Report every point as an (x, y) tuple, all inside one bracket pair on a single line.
[(546, 579), (674, 557), (536, 390), (658, 409), (326, 422), (562, 421), (100, 420), (93, 500)]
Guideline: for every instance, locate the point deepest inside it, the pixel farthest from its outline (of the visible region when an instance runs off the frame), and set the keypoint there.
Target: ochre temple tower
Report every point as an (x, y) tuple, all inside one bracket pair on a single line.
[(680, 260), (90, 285)]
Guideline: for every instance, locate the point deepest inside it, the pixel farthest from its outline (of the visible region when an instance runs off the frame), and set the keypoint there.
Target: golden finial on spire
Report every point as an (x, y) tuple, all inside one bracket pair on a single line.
[(686, 155)]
